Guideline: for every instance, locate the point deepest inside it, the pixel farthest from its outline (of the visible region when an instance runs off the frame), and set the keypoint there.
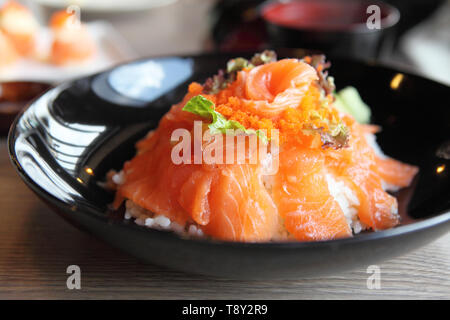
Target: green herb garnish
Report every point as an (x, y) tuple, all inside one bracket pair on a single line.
[(203, 107), (220, 81)]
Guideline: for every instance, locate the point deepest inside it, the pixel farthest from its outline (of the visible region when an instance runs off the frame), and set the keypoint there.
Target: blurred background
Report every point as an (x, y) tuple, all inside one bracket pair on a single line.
[(414, 33), (50, 41)]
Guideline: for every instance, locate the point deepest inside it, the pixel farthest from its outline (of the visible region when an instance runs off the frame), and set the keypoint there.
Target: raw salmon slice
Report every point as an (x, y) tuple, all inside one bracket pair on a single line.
[(242, 209), (359, 166), (303, 199), (273, 87), (395, 172), (227, 202)]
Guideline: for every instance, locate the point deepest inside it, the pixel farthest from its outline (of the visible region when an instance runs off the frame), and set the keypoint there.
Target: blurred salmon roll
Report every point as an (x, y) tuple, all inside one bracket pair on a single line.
[(72, 42), (8, 54), (19, 25)]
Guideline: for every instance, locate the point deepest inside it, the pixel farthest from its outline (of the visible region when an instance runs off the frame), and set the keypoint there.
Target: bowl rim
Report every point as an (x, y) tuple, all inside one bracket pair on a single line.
[(389, 21), (440, 218)]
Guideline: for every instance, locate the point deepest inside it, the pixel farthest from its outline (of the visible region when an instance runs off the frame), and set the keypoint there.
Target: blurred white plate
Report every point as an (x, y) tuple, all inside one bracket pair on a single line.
[(112, 49), (107, 5)]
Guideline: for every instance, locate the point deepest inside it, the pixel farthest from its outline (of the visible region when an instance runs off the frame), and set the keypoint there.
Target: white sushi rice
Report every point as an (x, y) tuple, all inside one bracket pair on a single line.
[(147, 219), (119, 178), (343, 195), (348, 202), (372, 141), (347, 199)]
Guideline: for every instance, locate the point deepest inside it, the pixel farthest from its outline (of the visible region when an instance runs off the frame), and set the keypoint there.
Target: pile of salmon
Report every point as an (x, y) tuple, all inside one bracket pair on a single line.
[(321, 152)]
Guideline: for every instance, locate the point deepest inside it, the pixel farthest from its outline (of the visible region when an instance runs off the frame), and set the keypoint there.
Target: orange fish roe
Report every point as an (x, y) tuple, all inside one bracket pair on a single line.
[(314, 112), (195, 88)]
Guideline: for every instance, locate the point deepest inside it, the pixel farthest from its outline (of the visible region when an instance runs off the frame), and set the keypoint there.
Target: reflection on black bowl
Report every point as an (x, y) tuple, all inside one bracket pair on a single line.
[(333, 26), (65, 142)]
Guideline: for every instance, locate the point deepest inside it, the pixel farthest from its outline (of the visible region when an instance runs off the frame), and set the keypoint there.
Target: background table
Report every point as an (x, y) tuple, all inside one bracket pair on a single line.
[(36, 246)]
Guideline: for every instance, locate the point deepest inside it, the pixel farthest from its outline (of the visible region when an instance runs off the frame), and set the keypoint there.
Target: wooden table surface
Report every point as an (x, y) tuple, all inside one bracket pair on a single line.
[(36, 245)]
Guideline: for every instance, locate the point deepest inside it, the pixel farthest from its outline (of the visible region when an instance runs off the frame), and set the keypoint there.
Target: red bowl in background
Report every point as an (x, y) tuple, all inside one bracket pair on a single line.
[(333, 26)]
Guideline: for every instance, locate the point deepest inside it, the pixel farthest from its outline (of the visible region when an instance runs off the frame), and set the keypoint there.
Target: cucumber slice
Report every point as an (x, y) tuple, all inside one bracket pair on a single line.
[(348, 100)]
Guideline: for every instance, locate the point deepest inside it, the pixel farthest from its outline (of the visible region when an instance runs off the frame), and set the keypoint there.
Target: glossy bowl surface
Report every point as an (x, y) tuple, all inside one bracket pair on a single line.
[(63, 144)]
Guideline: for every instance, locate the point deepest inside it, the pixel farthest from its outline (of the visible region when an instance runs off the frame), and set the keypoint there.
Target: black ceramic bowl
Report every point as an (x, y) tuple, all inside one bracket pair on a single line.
[(67, 140)]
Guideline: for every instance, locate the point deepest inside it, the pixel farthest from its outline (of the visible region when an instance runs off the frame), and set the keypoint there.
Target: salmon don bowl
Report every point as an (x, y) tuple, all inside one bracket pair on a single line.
[(252, 166)]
